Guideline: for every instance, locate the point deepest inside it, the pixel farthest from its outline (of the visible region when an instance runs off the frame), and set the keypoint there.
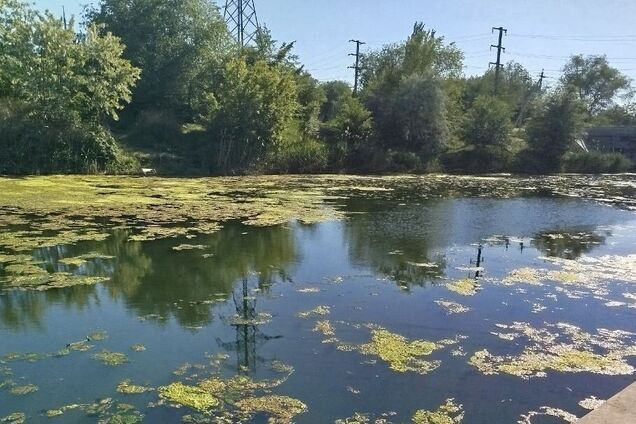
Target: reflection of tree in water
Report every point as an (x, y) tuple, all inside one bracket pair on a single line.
[(568, 244), (20, 310), (397, 241), (152, 278), (181, 283)]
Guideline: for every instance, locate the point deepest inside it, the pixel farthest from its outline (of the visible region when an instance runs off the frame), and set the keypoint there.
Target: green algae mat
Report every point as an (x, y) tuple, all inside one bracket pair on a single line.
[(315, 299)]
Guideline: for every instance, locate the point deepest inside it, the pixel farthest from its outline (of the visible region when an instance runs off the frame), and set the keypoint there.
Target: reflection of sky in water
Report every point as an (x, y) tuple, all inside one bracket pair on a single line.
[(374, 254)]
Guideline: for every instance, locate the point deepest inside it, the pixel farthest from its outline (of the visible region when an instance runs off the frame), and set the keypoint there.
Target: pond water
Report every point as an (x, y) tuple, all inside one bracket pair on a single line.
[(495, 300)]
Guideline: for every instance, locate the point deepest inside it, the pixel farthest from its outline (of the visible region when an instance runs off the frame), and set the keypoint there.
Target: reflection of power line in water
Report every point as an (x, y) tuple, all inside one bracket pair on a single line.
[(248, 335)]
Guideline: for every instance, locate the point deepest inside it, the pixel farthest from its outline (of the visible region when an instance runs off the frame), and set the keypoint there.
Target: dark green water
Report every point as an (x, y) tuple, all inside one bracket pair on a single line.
[(178, 304)]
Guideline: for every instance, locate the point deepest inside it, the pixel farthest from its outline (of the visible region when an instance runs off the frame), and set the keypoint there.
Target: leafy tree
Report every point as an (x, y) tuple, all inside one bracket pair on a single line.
[(554, 128), (595, 82), (423, 53), (335, 92), (417, 117), (516, 88), (246, 110), (56, 93), (488, 123), (172, 41), (403, 88)]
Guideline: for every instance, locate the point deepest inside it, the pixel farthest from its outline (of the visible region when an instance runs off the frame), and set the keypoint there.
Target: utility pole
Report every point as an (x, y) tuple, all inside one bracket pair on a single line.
[(64, 17), (242, 20), (541, 78), (526, 102), (357, 65), (499, 48)]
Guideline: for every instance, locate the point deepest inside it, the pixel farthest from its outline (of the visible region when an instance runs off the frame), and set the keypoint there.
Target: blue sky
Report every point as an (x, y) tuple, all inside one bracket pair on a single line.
[(542, 33)]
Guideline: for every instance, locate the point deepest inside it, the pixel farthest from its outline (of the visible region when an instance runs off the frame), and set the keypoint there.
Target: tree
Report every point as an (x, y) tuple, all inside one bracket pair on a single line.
[(246, 109), (56, 92), (172, 41), (488, 123), (403, 88), (417, 117), (335, 92), (423, 53), (516, 88), (595, 82), (554, 128)]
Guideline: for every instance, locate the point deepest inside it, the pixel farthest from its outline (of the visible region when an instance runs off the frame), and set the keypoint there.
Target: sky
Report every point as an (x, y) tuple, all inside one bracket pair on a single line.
[(542, 34)]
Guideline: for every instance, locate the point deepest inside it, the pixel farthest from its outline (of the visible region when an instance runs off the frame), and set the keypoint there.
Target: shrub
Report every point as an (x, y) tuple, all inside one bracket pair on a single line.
[(596, 163), (299, 157)]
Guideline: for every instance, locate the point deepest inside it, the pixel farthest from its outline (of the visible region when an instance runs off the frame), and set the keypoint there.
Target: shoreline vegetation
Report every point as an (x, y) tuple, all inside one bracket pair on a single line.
[(129, 87)]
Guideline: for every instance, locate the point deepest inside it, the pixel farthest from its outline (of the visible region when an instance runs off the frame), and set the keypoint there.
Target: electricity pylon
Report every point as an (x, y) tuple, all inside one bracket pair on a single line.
[(241, 19)]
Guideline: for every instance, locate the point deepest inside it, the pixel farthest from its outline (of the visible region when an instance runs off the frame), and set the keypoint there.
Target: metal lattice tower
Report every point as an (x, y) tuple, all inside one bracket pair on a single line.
[(241, 19)]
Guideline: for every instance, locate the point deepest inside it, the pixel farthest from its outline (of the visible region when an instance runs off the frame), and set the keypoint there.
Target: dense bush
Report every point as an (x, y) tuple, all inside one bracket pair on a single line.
[(596, 162), (300, 157)]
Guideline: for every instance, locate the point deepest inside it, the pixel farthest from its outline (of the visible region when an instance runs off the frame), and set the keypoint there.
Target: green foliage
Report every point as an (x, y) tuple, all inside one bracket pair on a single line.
[(552, 130), (299, 157), (417, 117), (488, 123), (596, 163), (595, 82), (246, 109), (516, 87), (56, 91), (334, 91), (424, 53), (172, 41)]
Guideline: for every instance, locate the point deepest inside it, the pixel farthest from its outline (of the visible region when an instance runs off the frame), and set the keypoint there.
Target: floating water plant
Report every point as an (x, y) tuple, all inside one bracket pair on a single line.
[(128, 388), (591, 403), (401, 354), (23, 390), (110, 358), (448, 413), (138, 347), (568, 350), (317, 311), (14, 418), (280, 409), (190, 396), (466, 287), (452, 307), (548, 411), (324, 327)]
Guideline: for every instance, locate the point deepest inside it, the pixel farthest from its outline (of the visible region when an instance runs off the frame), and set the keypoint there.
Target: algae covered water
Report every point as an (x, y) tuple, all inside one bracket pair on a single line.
[(327, 299)]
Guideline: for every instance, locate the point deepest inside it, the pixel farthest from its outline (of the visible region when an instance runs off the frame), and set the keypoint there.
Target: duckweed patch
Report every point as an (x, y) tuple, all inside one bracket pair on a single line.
[(452, 307), (569, 349), (548, 411), (280, 409), (190, 396), (111, 358), (465, 287), (138, 347), (325, 328), (106, 411), (23, 390), (14, 418), (448, 413), (317, 311), (127, 387), (398, 352), (258, 319), (591, 403)]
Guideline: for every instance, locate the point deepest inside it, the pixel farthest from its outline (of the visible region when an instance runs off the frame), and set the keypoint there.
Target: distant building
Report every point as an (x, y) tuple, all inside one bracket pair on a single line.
[(612, 140)]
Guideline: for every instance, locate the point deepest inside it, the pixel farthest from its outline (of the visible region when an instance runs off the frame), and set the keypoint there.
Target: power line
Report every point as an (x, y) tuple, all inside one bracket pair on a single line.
[(357, 65), (242, 20), (499, 48)]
